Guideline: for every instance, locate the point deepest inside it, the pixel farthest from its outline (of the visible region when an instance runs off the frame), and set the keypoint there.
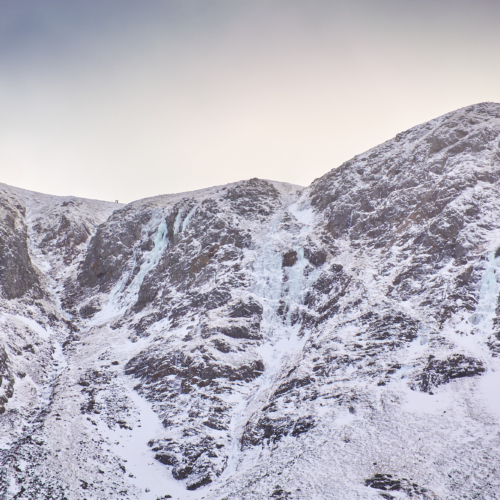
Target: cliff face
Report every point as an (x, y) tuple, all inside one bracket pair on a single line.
[(262, 340)]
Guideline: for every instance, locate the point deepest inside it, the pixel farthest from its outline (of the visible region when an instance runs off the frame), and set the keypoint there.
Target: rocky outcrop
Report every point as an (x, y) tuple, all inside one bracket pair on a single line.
[(18, 277)]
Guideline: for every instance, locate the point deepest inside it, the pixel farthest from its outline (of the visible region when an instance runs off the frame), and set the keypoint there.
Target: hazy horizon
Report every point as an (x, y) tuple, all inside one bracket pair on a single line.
[(124, 99)]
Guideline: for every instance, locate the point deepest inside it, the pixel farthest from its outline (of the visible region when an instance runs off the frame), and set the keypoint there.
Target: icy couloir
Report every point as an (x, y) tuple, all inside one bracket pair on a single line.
[(262, 340)]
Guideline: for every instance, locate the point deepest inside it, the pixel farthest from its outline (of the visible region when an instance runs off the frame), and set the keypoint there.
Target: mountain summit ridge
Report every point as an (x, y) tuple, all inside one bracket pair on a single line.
[(260, 339)]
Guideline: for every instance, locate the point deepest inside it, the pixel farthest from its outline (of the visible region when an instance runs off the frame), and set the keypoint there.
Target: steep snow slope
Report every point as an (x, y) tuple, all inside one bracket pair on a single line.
[(262, 340), (42, 237)]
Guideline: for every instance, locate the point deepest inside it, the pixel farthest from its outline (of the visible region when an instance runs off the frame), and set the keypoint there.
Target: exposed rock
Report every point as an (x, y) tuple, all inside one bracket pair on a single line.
[(386, 482), (17, 274), (290, 258), (441, 371)]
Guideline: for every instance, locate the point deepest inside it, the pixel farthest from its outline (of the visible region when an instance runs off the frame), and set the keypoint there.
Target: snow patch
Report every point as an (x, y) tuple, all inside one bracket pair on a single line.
[(150, 477), (32, 324), (489, 390)]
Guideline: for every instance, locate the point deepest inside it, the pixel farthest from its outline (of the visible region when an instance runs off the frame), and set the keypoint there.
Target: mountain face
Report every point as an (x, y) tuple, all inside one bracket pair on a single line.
[(262, 340)]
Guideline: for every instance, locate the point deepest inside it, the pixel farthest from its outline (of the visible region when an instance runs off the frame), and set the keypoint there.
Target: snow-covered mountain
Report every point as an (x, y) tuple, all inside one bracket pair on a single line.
[(262, 340)]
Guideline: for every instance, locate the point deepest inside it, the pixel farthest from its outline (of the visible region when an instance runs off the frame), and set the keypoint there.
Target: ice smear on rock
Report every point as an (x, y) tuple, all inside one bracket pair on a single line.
[(124, 295)]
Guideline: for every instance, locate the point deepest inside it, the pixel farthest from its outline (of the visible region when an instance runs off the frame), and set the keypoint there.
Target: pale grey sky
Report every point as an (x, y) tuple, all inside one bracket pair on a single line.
[(121, 99)]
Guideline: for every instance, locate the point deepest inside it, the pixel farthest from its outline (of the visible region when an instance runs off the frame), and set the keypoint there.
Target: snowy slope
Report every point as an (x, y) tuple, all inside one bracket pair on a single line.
[(262, 340)]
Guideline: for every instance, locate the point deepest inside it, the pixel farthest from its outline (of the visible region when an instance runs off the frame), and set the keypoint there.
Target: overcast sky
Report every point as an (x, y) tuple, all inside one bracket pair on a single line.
[(126, 99)]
